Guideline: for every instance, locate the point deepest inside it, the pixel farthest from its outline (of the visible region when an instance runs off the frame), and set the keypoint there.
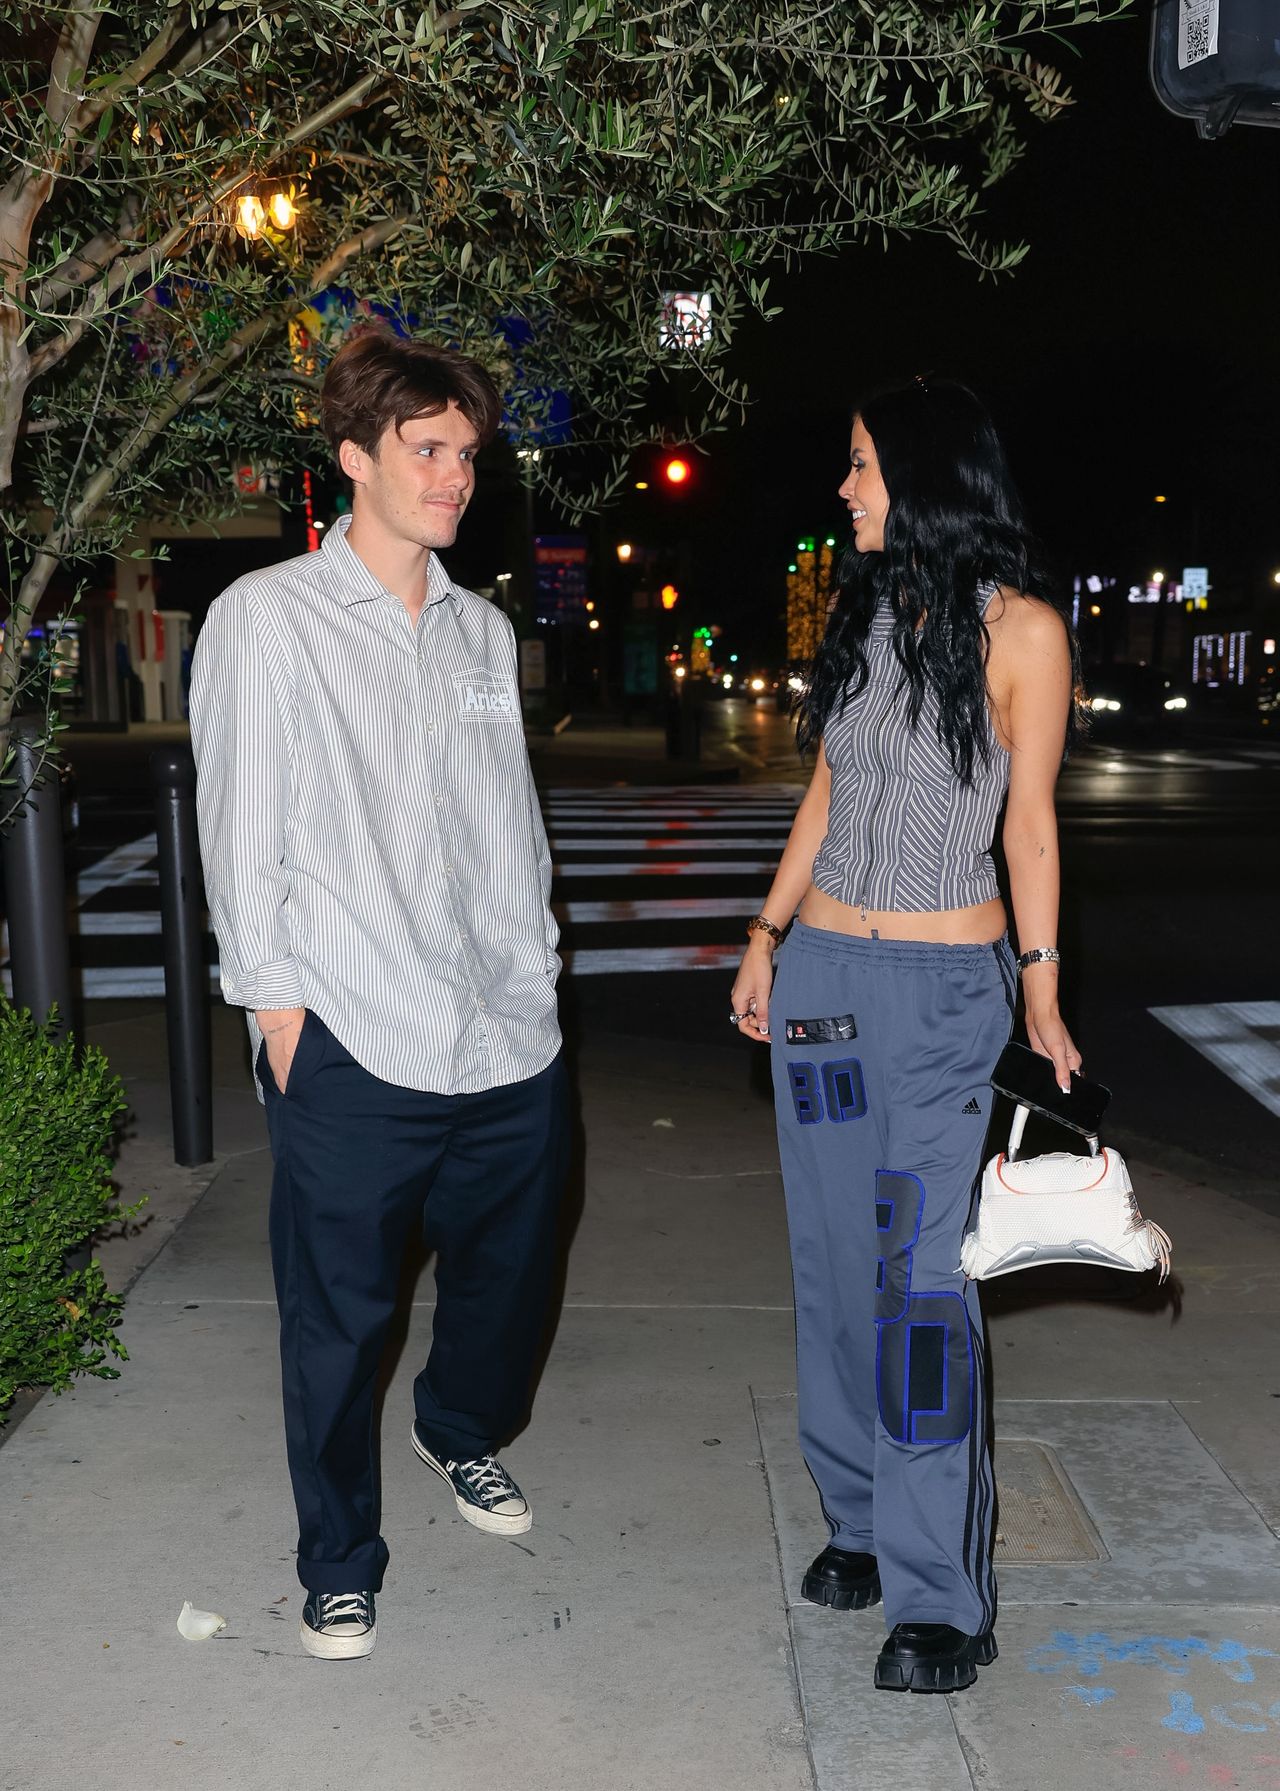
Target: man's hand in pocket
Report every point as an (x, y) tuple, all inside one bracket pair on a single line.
[(281, 1029)]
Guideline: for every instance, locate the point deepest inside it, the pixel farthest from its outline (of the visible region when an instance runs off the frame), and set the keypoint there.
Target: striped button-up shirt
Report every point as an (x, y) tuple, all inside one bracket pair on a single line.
[(372, 841)]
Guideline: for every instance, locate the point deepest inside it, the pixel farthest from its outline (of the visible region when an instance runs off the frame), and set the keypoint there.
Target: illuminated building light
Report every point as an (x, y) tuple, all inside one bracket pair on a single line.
[(594, 622), (1175, 702), (1162, 500), (681, 671), (642, 485), (1269, 647), (1095, 609), (309, 514), (670, 596), (625, 551)]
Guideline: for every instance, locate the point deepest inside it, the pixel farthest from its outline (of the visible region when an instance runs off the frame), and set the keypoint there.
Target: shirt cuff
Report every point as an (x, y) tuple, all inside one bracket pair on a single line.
[(267, 986)]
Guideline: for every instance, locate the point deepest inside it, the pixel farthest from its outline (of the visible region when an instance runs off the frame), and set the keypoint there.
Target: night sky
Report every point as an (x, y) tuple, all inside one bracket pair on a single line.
[(1135, 351)]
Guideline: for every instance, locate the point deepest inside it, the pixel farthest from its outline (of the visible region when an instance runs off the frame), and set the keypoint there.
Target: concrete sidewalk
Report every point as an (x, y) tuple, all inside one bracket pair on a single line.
[(647, 1632)]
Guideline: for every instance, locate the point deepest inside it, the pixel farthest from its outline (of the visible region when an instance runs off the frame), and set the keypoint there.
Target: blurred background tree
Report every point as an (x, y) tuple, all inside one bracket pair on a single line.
[(199, 198)]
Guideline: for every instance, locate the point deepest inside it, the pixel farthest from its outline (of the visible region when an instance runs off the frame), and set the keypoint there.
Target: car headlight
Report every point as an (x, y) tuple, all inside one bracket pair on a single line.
[(1175, 702), (1104, 703), (757, 684), (795, 683)]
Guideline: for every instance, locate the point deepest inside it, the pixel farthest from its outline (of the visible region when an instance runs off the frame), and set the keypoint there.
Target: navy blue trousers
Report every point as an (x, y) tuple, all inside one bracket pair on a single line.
[(359, 1163), (881, 1129)]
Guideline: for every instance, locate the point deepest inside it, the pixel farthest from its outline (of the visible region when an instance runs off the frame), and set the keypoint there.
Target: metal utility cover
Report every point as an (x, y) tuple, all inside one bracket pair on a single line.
[(1041, 1519)]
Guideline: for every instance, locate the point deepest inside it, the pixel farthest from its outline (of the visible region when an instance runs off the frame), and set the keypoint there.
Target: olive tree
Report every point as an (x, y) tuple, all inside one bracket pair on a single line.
[(524, 178)]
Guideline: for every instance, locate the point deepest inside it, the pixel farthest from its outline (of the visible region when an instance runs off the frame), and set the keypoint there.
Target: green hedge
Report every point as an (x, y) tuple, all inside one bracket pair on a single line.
[(59, 1114)]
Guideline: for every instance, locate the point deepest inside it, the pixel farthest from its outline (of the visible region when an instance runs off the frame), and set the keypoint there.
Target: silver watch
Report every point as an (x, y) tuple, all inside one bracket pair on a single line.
[(1043, 954)]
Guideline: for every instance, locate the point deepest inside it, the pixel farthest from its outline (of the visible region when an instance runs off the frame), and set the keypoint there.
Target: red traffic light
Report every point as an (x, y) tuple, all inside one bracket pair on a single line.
[(676, 471)]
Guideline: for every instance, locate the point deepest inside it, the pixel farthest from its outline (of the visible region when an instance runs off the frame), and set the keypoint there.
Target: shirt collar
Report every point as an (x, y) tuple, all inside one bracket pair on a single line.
[(354, 583)]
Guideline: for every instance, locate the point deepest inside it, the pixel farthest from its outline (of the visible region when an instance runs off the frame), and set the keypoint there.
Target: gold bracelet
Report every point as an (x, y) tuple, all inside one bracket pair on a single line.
[(761, 925)]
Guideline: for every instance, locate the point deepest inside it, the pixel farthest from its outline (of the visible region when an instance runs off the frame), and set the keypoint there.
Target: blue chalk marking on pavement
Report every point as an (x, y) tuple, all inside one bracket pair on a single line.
[(1092, 1695), (1183, 1718), (1086, 1655), (1220, 1716)]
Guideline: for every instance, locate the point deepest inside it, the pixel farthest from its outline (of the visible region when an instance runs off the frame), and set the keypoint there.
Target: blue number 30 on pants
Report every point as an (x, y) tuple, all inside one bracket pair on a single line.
[(924, 1354)]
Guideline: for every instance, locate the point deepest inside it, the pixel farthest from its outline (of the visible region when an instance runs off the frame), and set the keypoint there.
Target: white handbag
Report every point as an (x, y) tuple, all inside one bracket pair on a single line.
[(1059, 1208)]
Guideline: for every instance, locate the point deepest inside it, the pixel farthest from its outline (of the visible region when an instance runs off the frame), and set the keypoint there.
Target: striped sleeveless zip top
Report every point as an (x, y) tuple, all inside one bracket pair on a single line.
[(903, 832)]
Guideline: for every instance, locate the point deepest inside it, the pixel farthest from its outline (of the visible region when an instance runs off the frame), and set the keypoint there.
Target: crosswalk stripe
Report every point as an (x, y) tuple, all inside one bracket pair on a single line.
[(629, 959), (125, 865), (1238, 1037), (677, 867), (668, 908), (728, 842)]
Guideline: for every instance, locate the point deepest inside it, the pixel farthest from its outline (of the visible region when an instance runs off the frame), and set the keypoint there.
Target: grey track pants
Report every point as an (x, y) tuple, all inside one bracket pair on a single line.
[(881, 1137)]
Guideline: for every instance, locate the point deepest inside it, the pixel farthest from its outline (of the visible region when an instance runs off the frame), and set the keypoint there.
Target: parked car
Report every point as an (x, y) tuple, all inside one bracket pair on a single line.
[(1124, 701)]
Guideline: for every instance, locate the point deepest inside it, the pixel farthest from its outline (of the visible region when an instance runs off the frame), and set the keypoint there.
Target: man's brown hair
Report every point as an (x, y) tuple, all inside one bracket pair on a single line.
[(380, 379)]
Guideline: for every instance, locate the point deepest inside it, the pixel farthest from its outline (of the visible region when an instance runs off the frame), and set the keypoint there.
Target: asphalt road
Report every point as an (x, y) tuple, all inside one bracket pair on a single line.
[(1171, 864)]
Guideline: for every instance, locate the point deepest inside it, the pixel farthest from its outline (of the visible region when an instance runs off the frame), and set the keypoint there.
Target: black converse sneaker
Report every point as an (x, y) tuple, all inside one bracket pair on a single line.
[(339, 1625), (485, 1493)]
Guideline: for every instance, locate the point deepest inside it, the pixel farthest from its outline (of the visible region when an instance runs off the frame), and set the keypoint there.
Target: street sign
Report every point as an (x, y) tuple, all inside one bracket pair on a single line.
[(639, 659), (533, 665), (1217, 62), (560, 568), (1195, 581)]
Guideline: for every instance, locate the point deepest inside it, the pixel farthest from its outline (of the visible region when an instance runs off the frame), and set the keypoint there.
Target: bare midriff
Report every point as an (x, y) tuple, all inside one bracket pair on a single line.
[(979, 925)]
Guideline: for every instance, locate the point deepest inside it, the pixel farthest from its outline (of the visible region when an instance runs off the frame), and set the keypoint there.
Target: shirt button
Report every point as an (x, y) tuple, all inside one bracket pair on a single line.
[(480, 1001)]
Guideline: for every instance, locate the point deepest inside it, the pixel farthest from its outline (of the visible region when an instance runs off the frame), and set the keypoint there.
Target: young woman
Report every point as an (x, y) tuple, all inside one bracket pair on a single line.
[(943, 690)]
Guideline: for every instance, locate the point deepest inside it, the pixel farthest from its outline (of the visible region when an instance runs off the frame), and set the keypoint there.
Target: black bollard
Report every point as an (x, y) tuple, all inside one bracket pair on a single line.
[(186, 979), (35, 883)]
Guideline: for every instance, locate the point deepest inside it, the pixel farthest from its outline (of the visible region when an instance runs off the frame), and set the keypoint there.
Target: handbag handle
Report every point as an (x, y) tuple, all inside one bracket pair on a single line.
[(1021, 1114)]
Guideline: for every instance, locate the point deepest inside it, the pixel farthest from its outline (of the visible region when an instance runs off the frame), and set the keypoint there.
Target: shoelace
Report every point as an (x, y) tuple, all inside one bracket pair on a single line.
[(343, 1607), (488, 1480), (1158, 1238), (1162, 1244)]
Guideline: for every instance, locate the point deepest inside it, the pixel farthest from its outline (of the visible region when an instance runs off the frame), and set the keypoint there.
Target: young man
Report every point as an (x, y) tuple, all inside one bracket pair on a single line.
[(378, 878)]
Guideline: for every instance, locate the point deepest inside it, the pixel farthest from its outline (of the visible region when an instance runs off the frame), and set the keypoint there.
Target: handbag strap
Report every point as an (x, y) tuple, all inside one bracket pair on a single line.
[(1021, 1114)]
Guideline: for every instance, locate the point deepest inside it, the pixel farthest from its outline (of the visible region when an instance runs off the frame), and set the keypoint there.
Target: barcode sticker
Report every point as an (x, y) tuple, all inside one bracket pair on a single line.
[(1197, 31)]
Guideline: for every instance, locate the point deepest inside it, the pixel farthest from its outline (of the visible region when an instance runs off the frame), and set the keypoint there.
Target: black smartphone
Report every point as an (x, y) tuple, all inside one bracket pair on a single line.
[(1031, 1079)]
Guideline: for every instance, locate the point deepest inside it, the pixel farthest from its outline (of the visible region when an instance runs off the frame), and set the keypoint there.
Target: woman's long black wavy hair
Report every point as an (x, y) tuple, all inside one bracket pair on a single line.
[(955, 526)]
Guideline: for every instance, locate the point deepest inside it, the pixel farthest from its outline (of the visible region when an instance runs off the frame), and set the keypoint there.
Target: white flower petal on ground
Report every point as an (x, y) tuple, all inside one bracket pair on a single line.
[(198, 1626)]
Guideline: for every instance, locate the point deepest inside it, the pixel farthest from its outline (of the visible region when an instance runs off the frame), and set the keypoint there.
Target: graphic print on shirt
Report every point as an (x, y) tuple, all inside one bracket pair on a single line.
[(486, 696), (924, 1361)]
